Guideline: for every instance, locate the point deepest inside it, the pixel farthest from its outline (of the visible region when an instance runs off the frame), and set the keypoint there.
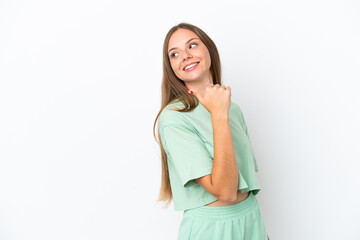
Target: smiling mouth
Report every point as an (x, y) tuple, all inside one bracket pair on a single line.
[(193, 66)]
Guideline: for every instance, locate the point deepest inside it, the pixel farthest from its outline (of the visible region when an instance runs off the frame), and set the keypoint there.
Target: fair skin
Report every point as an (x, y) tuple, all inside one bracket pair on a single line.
[(217, 100), (185, 48)]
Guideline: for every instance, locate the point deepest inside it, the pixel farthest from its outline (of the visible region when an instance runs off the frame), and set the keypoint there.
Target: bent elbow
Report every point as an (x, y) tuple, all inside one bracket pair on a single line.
[(233, 198), (228, 198)]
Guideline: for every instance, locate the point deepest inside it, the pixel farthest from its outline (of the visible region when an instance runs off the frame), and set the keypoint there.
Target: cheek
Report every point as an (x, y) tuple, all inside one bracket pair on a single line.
[(208, 58), (175, 66), (207, 55)]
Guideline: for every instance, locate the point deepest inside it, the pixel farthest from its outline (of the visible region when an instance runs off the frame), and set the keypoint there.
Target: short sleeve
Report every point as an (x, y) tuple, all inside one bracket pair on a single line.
[(187, 152), (247, 134)]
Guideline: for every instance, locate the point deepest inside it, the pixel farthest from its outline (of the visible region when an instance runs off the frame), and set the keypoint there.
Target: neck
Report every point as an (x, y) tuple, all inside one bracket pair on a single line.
[(200, 84)]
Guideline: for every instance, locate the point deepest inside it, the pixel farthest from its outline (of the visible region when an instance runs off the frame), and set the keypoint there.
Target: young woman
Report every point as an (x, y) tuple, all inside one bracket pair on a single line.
[(208, 166)]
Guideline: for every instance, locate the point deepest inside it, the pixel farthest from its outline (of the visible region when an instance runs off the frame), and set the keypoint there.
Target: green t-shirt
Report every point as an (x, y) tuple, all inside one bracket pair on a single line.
[(187, 138)]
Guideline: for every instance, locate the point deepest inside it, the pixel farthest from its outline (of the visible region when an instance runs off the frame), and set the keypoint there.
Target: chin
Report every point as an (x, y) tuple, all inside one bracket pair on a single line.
[(195, 76)]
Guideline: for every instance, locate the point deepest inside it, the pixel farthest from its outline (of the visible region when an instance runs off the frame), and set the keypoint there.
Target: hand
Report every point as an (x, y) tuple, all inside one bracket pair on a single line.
[(216, 99)]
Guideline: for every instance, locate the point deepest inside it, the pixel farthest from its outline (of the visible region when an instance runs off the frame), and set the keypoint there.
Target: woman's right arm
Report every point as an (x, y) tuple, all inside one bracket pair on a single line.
[(225, 175), (222, 183)]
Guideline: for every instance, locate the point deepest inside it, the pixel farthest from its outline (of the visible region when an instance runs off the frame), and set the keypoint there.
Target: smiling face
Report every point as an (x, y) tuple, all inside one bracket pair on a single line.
[(186, 48)]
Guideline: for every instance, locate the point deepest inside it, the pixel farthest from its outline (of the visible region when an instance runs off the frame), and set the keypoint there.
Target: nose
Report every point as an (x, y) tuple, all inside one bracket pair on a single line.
[(186, 55)]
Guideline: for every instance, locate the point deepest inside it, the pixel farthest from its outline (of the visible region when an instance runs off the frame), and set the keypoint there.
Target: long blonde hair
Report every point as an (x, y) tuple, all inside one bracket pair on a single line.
[(173, 88)]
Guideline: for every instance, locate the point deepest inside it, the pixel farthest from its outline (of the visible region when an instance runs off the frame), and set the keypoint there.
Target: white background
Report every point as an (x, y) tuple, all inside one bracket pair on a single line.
[(80, 90)]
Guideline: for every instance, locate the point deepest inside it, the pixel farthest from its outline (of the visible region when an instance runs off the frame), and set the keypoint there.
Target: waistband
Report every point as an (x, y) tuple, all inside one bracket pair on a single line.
[(237, 210)]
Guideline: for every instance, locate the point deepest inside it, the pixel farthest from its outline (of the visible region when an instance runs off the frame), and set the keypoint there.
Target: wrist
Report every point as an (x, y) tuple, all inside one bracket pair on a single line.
[(220, 116)]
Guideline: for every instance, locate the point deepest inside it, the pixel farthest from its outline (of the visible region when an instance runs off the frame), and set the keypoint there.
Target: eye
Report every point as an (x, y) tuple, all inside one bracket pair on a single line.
[(193, 44), (172, 55)]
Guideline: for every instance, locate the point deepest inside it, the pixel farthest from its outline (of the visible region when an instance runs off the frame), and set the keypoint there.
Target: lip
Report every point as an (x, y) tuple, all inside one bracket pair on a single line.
[(189, 64)]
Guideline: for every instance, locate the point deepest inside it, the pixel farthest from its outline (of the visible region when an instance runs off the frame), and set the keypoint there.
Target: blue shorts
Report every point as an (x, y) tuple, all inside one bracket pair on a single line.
[(240, 221)]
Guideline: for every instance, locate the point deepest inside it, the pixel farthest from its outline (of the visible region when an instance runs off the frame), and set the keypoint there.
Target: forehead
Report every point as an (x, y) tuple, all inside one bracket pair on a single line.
[(180, 37)]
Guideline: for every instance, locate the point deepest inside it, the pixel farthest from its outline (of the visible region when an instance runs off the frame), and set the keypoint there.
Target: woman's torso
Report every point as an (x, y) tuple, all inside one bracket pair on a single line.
[(199, 122), (240, 197)]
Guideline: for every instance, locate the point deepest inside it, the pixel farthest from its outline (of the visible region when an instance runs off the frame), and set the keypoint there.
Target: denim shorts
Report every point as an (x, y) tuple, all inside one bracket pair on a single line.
[(240, 221)]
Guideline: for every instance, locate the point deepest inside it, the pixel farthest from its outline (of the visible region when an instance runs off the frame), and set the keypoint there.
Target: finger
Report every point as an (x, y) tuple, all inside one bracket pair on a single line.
[(228, 89)]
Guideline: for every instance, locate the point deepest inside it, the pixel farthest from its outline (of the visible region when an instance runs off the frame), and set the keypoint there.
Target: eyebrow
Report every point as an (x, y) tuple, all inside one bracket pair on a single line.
[(185, 43)]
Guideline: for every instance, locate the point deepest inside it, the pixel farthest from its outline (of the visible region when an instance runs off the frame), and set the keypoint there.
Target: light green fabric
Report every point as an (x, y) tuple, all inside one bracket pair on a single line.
[(240, 221), (187, 138)]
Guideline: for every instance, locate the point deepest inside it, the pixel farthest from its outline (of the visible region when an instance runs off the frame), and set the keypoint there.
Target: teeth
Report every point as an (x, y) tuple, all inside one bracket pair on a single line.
[(191, 66)]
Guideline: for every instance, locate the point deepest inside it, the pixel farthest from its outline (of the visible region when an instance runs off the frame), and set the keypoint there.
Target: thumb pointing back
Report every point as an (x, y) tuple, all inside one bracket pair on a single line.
[(197, 94)]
